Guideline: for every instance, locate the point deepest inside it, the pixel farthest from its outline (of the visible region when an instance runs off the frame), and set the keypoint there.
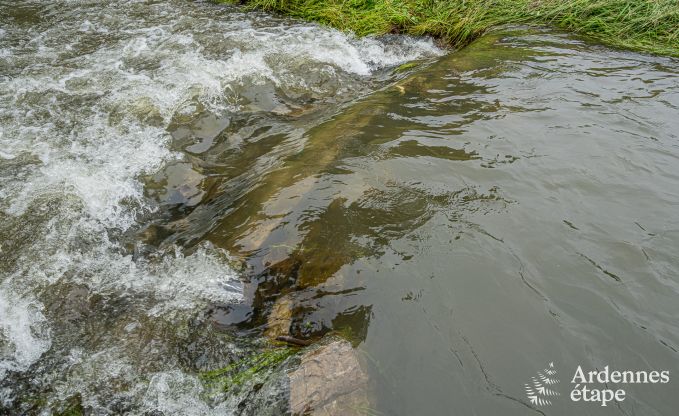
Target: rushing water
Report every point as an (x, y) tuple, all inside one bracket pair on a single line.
[(171, 170)]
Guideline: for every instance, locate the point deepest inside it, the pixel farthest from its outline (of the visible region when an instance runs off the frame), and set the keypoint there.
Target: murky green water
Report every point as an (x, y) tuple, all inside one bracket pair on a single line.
[(171, 172)]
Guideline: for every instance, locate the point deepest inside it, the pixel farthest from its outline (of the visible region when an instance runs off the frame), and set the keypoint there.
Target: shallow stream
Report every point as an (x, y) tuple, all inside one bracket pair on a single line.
[(171, 171)]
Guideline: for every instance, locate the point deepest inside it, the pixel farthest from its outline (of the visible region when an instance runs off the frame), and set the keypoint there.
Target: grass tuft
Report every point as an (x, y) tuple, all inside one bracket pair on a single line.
[(644, 25)]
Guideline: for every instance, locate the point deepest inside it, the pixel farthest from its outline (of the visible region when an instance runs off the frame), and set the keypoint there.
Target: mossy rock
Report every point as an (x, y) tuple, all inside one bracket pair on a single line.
[(407, 66), (246, 370)]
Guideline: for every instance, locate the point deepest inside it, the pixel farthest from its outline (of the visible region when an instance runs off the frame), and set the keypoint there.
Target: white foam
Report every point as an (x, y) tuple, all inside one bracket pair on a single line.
[(86, 123), (359, 56), (171, 282), (24, 335), (176, 393), (100, 170), (172, 392)]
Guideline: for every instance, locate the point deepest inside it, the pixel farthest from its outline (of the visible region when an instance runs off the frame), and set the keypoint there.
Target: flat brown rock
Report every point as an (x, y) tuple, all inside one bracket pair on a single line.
[(329, 381)]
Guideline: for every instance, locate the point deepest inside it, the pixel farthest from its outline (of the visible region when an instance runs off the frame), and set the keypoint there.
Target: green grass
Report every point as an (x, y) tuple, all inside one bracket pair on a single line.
[(645, 25)]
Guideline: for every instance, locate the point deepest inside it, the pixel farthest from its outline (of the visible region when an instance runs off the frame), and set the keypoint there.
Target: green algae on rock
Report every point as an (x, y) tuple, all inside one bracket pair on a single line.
[(236, 374)]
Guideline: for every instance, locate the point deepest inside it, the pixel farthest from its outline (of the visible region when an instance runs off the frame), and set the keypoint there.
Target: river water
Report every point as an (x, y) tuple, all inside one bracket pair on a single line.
[(171, 171)]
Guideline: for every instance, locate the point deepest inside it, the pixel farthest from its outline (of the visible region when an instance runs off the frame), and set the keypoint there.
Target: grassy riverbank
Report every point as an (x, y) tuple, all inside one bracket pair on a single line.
[(647, 25)]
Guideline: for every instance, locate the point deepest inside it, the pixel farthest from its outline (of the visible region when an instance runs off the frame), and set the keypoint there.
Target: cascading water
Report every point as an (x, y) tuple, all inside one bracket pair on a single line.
[(89, 94)]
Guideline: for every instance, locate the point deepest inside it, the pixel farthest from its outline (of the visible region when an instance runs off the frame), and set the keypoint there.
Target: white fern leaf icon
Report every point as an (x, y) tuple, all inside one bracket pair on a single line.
[(537, 391)]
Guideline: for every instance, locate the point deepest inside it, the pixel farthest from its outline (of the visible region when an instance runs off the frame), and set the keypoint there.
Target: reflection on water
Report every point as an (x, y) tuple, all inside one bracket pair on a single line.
[(463, 223), (508, 206)]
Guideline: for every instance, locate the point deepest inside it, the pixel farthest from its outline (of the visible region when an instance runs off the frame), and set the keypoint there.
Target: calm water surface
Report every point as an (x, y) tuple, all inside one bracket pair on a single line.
[(171, 172)]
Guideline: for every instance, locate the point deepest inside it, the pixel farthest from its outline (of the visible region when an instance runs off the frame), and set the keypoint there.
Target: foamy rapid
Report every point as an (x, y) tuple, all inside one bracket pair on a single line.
[(88, 90), (25, 336)]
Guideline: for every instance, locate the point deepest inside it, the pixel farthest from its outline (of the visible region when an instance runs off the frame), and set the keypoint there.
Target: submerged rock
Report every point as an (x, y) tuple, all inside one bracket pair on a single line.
[(327, 378), (280, 318), (330, 380)]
